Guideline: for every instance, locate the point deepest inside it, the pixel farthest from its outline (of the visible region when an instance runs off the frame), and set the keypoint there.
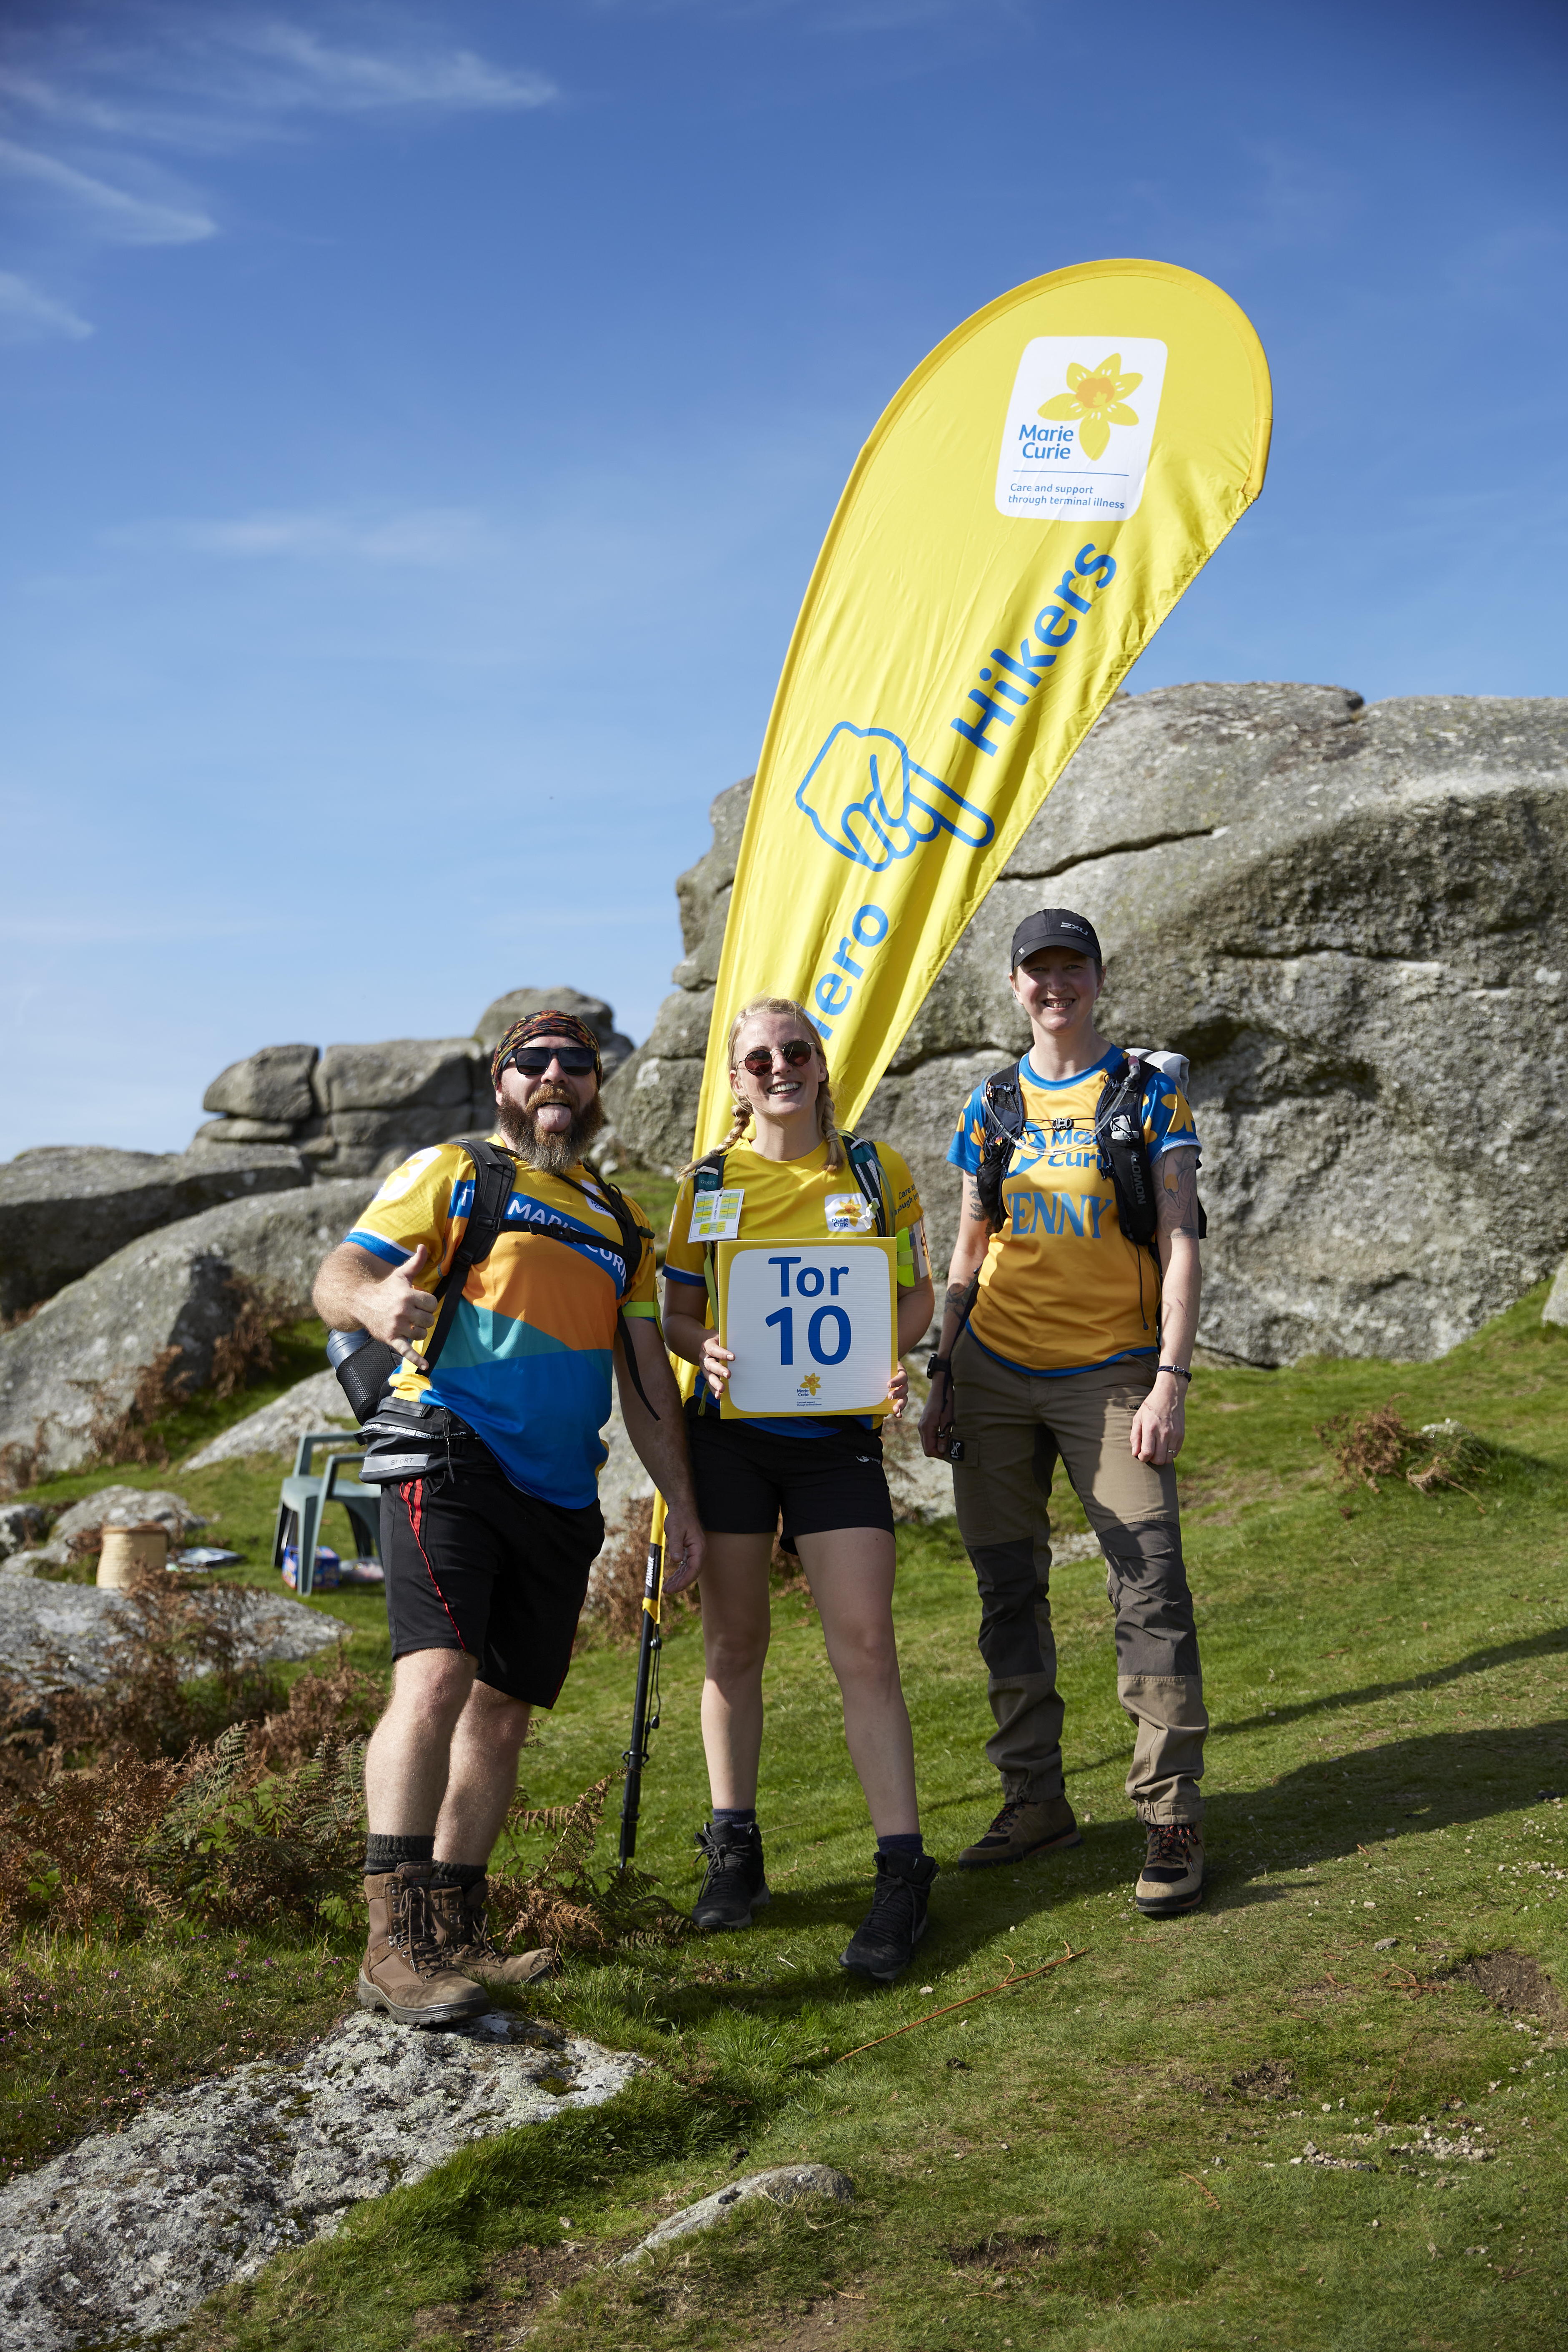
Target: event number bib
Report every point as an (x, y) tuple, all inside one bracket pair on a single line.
[(812, 1325)]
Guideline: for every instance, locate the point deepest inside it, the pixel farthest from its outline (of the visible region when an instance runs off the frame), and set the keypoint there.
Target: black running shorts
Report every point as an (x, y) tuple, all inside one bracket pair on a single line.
[(473, 1565), (745, 1476)]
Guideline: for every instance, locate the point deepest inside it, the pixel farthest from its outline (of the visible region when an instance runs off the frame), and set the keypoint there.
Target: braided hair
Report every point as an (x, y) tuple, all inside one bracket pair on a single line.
[(826, 1122)]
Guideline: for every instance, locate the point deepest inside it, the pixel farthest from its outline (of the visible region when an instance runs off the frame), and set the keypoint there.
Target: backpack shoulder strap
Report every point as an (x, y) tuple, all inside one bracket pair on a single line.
[(708, 1175), (1003, 1098), (495, 1172), (865, 1167)]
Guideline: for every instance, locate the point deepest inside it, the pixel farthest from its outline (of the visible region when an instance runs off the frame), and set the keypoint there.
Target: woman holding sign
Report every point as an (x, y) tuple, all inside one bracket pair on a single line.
[(795, 1279)]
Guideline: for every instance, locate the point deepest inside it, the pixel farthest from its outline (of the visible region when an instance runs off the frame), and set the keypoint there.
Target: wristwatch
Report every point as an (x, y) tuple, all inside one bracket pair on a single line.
[(937, 1364)]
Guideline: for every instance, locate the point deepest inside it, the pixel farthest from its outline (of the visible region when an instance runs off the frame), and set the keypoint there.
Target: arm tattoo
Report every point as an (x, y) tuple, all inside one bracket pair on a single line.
[(1176, 1200), (957, 1292), (972, 1207)]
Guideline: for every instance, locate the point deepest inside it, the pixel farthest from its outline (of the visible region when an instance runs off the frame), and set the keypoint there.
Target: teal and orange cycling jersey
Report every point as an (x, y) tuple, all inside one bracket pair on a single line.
[(527, 1360)]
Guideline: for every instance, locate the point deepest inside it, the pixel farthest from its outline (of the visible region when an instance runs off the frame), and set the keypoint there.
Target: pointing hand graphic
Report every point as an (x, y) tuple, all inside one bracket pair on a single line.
[(871, 802)]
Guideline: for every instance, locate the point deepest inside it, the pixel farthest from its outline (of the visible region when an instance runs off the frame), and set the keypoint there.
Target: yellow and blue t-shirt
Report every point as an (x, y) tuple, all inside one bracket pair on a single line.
[(791, 1201), (1062, 1289), (528, 1357)]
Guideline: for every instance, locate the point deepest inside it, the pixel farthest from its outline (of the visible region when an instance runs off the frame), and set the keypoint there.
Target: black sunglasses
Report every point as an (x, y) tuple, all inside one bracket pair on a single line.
[(759, 1060), (534, 1060)]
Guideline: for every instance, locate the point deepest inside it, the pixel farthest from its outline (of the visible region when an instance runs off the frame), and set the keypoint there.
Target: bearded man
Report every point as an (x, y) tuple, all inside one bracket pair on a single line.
[(488, 1466)]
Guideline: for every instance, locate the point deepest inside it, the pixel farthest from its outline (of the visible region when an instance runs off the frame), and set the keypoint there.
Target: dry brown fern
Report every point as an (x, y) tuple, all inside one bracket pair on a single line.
[(561, 1904)]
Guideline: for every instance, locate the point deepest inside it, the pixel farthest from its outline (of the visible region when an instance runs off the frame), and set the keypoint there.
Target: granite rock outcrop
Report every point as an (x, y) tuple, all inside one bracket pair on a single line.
[(1353, 920), (72, 1370), (63, 1210)]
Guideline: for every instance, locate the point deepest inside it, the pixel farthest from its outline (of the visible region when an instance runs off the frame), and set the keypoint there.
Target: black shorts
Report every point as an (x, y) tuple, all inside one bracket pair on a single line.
[(473, 1565), (745, 1476)]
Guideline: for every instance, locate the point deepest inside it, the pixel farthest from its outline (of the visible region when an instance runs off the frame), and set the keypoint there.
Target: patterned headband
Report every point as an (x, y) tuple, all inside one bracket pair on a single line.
[(544, 1025)]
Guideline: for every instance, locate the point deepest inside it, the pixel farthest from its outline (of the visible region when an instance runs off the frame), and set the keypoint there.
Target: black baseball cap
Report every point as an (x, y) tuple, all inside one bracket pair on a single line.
[(1055, 927)]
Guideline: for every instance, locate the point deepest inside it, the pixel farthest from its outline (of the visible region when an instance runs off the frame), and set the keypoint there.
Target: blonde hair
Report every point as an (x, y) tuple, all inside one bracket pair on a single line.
[(825, 1121)]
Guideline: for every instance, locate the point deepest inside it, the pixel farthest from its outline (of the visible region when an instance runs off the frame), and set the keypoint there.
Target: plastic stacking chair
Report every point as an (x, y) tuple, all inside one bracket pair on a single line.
[(304, 1496)]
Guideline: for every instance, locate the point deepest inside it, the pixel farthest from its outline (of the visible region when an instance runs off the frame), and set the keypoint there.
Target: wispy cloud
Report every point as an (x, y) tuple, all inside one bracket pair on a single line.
[(308, 72), (426, 535), (89, 104), (114, 213), (28, 316), (198, 80)]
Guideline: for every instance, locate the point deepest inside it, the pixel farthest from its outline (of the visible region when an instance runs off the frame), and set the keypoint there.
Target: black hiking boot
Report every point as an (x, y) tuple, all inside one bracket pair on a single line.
[(735, 1886), (885, 1940)]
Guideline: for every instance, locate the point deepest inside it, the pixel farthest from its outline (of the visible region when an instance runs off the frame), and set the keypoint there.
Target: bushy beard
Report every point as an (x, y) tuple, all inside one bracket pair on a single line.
[(551, 1154)]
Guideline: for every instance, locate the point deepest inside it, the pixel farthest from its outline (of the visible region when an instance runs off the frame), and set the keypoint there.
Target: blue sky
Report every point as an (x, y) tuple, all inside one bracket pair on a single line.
[(418, 426)]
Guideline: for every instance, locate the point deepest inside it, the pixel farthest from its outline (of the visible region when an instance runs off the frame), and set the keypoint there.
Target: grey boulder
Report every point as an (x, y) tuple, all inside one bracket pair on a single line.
[(785, 2185), (125, 2234), (68, 1372), (220, 1131), (315, 1402), (591, 1011), (64, 1210), (404, 1072), (127, 1506), (1352, 920), (271, 1084), (377, 1103), (21, 1525), (1556, 1308), (55, 1634)]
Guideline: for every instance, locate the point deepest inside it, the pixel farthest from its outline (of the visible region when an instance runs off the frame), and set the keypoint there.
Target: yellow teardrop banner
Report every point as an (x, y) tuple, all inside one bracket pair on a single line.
[(1029, 508)]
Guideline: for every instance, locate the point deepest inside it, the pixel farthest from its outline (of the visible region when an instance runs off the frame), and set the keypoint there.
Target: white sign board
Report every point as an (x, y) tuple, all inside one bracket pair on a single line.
[(812, 1324)]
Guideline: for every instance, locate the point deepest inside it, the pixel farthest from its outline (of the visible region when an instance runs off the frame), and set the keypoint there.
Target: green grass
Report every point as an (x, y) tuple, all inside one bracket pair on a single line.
[(1073, 2163)]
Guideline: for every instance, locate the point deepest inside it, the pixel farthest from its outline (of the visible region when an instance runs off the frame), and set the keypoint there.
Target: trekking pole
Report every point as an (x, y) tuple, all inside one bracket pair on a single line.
[(645, 1708)]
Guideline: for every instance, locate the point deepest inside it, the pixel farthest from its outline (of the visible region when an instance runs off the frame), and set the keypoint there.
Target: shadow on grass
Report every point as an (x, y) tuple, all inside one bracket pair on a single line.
[(1454, 1778), (1451, 1776), (1552, 1643)]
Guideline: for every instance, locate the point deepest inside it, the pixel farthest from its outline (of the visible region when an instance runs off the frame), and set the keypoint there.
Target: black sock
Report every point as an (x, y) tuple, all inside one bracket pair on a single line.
[(735, 1817), (382, 1854), (458, 1874), (903, 1841)]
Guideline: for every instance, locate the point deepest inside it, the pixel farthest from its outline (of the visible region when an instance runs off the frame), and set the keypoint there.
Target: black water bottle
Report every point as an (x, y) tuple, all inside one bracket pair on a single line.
[(363, 1367)]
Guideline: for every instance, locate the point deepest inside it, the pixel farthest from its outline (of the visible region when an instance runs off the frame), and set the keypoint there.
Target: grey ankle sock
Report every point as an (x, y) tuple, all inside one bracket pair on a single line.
[(903, 1841), (735, 1817), (382, 1854)]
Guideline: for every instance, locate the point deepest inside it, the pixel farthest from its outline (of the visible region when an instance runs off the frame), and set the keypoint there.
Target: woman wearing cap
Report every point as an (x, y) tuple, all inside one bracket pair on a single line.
[(1064, 1338), (785, 1157)]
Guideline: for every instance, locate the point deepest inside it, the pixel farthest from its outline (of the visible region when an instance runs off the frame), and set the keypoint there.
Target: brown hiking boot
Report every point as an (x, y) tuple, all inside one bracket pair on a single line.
[(1021, 1829), (404, 1970), (463, 1931), (1172, 1879)]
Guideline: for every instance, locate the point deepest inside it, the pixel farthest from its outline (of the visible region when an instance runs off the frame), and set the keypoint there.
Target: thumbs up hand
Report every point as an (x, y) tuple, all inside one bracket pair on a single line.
[(400, 1313)]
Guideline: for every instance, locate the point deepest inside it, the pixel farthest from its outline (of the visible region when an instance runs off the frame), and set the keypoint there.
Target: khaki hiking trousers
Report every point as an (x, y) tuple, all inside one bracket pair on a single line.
[(1015, 1428)]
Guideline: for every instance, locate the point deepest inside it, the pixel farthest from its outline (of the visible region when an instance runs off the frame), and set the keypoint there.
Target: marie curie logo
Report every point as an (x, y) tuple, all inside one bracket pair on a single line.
[(1080, 425), (871, 802)]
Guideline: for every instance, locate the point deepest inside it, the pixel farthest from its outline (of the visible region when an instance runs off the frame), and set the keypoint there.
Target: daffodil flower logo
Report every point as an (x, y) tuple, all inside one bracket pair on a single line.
[(1095, 399)]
